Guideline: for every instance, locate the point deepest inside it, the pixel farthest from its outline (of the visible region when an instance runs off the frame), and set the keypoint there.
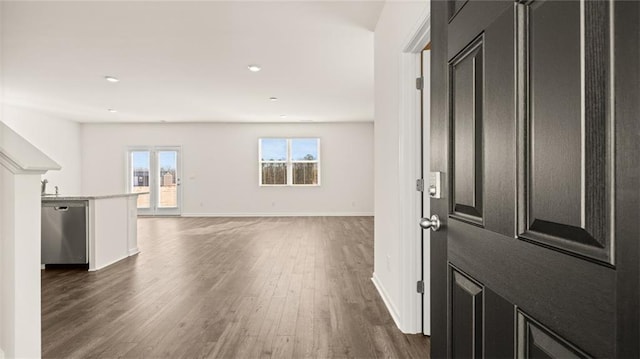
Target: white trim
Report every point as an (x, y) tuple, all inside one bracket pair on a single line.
[(426, 205), (409, 201), (410, 156), (1, 354), (132, 252), (421, 35), (16, 168), (93, 269), (19, 156), (283, 214), (386, 299)]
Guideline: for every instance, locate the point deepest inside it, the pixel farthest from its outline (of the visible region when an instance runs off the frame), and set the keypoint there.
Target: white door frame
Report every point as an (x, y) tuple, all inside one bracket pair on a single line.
[(410, 163), (153, 181)]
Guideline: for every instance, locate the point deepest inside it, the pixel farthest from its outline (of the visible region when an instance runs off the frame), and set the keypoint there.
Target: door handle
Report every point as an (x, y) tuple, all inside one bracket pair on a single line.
[(432, 223), (61, 208)]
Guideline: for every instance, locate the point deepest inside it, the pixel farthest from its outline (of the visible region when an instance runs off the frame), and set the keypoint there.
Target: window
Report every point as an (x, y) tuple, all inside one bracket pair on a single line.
[(289, 161)]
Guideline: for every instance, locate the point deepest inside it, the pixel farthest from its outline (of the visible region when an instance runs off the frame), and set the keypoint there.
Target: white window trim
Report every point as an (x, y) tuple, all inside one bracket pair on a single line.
[(289, 162)]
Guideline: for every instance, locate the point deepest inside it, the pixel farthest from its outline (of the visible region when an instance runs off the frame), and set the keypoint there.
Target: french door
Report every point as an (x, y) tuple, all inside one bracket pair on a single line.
[(535, 130), (156, 172)]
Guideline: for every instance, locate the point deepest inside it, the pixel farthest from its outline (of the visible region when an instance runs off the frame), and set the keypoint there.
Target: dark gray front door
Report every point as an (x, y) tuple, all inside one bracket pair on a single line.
[(536, 127)]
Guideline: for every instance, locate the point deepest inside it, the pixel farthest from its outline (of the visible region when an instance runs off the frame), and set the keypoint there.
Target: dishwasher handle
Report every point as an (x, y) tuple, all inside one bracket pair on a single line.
[(61, 208)]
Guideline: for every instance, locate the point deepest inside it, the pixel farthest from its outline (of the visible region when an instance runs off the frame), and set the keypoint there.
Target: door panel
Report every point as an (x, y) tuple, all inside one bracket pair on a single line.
[(466, 316), (568, 163), (467, 77), (536, 341), (554, 253)]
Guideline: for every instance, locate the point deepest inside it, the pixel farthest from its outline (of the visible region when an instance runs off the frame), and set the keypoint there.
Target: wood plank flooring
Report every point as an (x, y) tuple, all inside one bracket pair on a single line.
[(229, 288)]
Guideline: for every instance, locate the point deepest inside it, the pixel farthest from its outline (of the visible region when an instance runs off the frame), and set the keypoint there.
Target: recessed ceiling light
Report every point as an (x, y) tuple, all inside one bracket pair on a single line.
[(111, 79), (112, 110), (254, 68), (273, 99), (283, 116)]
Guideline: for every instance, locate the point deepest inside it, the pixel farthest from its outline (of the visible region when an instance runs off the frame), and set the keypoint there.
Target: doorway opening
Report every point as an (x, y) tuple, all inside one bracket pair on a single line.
[(415, 78), (425, 62), (156, 172)]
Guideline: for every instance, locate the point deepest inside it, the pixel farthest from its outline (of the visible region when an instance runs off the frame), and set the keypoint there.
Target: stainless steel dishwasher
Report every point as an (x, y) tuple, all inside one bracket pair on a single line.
[(64, 232)]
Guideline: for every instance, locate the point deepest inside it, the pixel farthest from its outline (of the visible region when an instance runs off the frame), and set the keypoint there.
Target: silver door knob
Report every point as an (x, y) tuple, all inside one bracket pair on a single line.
[(433, 223)]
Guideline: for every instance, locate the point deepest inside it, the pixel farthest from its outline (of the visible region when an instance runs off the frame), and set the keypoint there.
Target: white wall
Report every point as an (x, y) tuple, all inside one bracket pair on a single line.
[(220, 166), (57, 138), (394, 29)]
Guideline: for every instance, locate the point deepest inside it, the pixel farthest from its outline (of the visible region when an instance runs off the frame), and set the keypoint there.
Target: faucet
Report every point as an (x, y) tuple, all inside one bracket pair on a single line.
[(43, 188)]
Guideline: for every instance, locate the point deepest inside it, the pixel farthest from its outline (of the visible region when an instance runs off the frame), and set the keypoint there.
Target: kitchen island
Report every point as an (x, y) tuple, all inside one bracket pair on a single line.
[(111, 225)]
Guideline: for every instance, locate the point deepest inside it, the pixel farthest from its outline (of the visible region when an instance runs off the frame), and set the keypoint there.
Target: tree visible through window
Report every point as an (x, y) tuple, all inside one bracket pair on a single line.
[(289, 161)]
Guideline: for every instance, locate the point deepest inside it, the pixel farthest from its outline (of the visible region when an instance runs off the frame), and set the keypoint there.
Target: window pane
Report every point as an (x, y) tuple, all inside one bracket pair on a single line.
[(305, 173), (304, 149), (274, 173), (168, 164), (273, 149), (140, 164)]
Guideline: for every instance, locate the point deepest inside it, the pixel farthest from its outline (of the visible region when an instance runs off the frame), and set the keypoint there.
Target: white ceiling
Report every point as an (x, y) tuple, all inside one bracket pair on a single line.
[(187, 61)]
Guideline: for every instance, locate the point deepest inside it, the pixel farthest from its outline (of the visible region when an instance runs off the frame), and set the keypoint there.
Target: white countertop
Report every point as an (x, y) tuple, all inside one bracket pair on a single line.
[(64, 197)]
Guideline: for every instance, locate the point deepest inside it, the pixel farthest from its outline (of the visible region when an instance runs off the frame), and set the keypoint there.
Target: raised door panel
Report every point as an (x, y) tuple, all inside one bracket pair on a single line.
[(537, 341), (466, 106), (482, 114), (567, 181), (466, 316)]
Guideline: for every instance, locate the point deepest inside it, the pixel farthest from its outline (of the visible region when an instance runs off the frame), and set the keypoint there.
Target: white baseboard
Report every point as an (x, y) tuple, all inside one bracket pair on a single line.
[(1, 354), (106, 264), (387, 301), (133, 251), (291, 214)]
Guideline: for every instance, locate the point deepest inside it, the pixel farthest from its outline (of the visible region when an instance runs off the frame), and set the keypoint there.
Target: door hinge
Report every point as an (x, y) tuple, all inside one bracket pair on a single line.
[(420, 287), (419, 83), (420, 185)]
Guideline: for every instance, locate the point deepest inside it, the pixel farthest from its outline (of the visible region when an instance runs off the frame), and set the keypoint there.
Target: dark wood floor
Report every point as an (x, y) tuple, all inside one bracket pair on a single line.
[(229, 288)]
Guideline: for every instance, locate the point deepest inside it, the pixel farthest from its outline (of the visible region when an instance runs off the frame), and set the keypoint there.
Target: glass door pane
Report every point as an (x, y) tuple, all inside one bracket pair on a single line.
[(140, 179), (168, 179), (156, 170)]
